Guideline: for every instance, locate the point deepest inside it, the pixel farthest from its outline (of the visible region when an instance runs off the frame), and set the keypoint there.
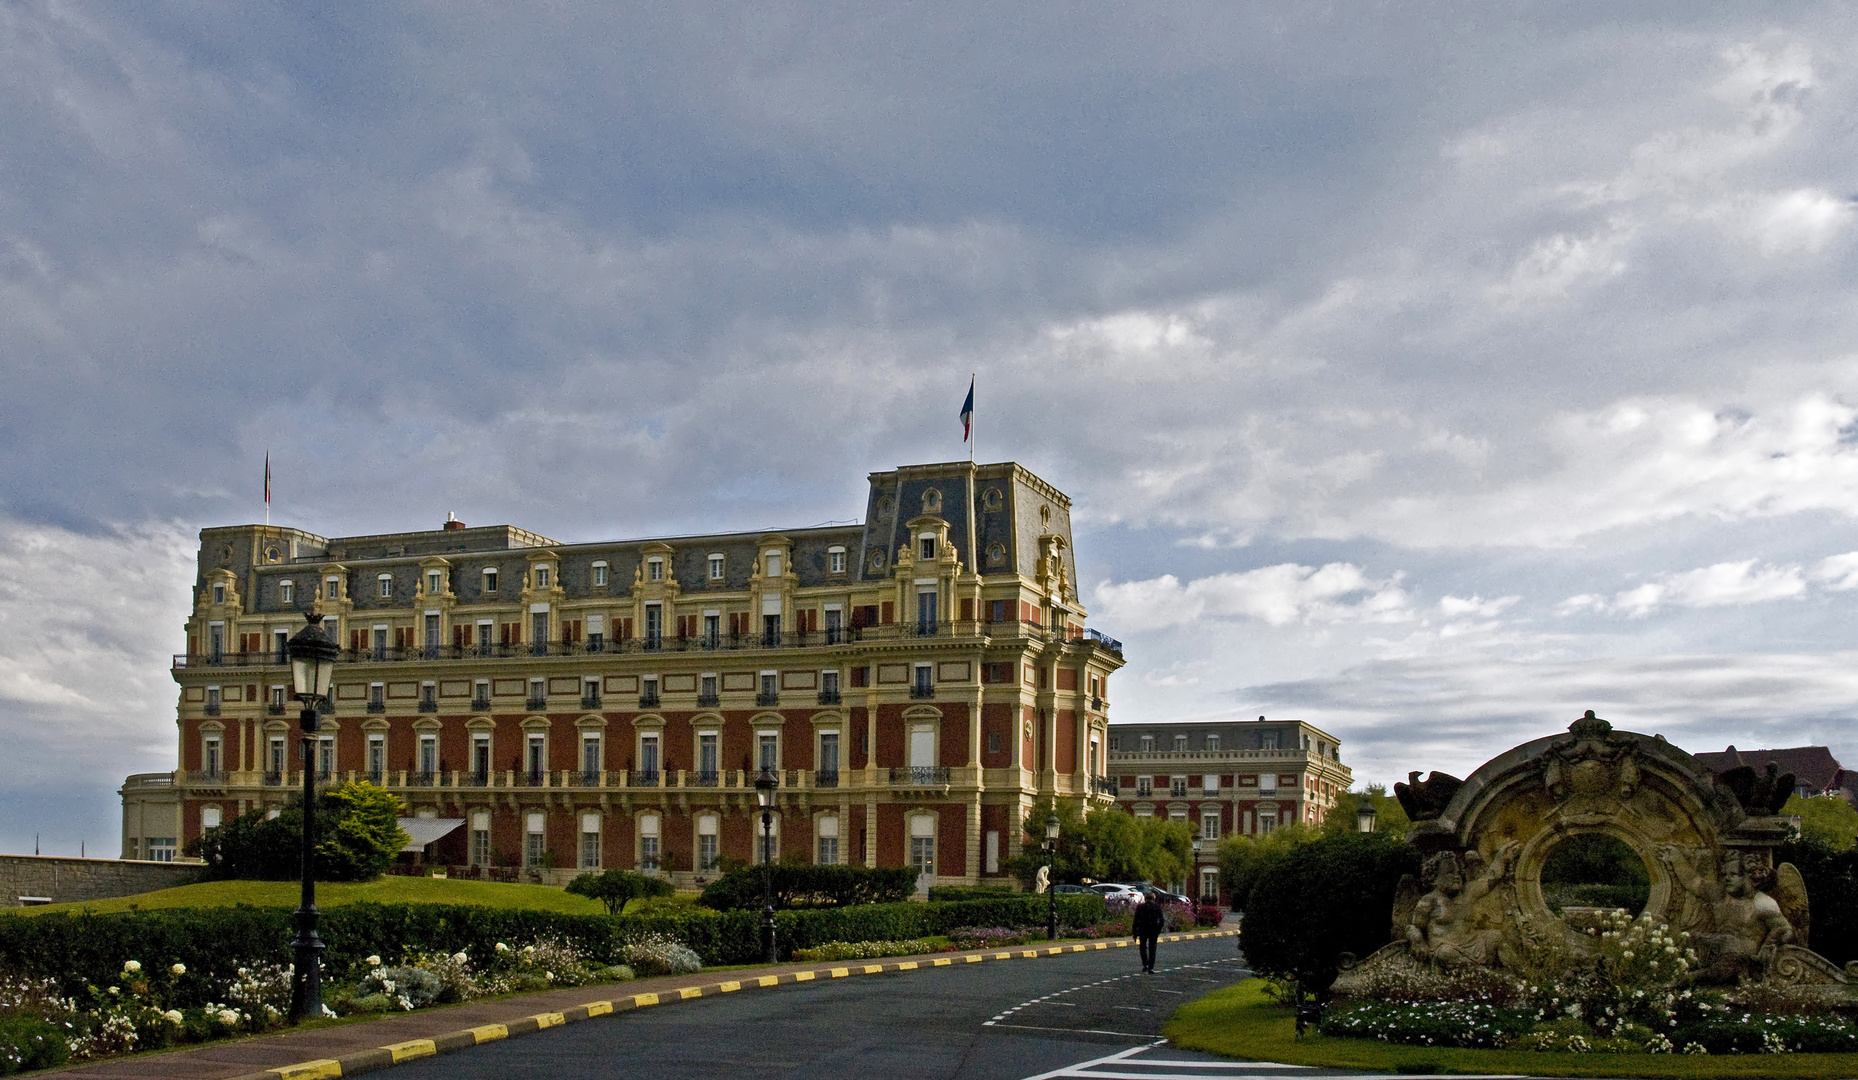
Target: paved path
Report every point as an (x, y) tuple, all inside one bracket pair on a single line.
[(348, 1049)]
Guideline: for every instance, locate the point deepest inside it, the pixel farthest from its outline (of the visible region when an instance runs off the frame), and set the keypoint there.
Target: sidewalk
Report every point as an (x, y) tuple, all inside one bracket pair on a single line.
[(353, 1048)]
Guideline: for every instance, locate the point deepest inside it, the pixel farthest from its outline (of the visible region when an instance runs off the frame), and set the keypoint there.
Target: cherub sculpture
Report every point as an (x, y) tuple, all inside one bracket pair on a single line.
[(1742, 928), (1445, 929)]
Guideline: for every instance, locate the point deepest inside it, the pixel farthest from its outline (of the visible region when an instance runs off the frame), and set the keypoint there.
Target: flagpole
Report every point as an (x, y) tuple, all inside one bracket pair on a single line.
[(974, 434)]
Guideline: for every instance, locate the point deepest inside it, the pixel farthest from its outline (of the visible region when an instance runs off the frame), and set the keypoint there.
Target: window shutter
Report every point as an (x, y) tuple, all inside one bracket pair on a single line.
[(458, 638), (967, 610), (890, 611)]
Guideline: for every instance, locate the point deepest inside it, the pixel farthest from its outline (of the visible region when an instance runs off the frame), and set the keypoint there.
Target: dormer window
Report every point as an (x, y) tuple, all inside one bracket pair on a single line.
[(541, 577), (716, 567), (835, 560), (286, 592), (600, 575), (654, 569), (386, 586), (219, 592), (926, 547), (490, 581), (332, 588), (771, 563), (435, 582)]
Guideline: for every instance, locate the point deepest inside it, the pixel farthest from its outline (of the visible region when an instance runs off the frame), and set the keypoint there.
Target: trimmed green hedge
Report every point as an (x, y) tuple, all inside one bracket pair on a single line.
[(795, 886), (215, 942), (971, 892)]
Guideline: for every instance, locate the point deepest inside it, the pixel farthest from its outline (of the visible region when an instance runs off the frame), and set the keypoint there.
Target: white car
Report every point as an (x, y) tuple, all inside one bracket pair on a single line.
[(1127, 893)]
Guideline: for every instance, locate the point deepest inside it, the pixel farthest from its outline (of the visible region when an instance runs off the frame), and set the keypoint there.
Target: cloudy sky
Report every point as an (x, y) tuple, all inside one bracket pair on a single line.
[(1431, 372)]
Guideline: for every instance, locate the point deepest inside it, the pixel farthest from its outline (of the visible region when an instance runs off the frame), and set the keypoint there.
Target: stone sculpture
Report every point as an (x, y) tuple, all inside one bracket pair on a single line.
[(1449, 926)]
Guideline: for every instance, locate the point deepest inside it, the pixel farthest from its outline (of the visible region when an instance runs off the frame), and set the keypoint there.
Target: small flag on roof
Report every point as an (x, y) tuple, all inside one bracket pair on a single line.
[(967, 412)]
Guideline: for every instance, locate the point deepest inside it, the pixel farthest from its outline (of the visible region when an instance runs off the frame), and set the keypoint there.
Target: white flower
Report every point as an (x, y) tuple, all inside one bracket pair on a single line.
[(502, 948), (328, 1013), (172, 1016), (132, 966), (178, 969), (459, 958), (373, 961)]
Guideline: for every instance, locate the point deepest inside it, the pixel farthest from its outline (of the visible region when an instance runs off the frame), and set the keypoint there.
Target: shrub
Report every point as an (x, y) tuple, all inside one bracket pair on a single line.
[(862, 950), (617, 888), (1208, 915), (357, 830), (990, 937), (1312, 902), (1831, 877), (655, 954), (27, 1042), (794, 885), (970, 892)]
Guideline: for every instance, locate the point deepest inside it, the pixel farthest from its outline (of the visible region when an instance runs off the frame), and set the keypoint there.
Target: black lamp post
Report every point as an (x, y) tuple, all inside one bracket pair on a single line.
[(765, 784), (1051, 876), (1365, 815), (312, 669)]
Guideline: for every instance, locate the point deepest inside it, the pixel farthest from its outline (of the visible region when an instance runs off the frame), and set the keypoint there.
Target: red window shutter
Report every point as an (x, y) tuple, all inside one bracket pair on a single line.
[(503, 633), (890, 611), (860, 676), (967, 610), (251, 690), (354, 641), (193, 645), (458, 640), (626, 627)]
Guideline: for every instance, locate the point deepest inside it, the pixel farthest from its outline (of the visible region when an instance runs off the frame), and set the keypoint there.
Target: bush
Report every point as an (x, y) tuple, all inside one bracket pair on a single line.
[(1208, 915), (799, 885), (970, 892), (357, 831), (617, 888), (861, 950), (1831, 877), (1312, 902), (30, 1043), (656, 954)]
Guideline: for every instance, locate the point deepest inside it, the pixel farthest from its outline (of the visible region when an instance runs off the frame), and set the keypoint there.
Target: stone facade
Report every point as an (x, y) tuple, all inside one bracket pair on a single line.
[(916, 681), (1225, 777)]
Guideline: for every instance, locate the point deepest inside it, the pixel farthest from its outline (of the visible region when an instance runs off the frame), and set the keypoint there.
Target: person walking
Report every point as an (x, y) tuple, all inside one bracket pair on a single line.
[(1148, 924)]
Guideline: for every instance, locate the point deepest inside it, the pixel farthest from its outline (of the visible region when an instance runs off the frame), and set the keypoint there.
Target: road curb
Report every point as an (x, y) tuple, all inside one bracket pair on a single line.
[(385, 1057)]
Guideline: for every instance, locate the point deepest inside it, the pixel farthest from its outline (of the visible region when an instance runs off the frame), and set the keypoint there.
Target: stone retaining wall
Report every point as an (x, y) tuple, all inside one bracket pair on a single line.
[(63, 879)]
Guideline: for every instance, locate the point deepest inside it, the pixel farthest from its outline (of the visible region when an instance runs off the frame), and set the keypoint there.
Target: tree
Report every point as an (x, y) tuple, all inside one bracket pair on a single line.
[(1311, 902), (1389, 816), (357, 833), (617, 888), (1827, 820), (1243, 858), (1105, 844)]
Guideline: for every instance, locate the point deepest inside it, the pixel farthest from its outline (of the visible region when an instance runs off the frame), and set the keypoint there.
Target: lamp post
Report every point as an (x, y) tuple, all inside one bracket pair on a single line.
[(312, 669), (765, 784), (1365, 815), (1051, 878)]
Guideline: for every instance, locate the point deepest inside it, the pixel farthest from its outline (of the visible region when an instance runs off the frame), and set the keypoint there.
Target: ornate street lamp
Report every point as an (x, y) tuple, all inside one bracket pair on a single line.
[(765, 785), (312, 670), (1051, 878), (1365, 815)]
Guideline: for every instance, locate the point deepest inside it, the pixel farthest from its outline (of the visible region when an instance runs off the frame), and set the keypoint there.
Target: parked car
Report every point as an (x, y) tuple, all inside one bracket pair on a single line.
[(1070, 890), (1110, 891)]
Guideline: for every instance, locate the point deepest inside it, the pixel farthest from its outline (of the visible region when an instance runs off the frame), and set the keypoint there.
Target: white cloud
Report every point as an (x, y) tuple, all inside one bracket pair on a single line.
[(1805, 220), (1276, 595), (1718, 585), (1838, 572), (1560, 263), (1456, 606)]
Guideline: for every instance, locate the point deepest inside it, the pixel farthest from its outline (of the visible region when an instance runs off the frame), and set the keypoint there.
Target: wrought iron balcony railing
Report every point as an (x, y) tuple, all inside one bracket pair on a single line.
[(920, 775), (922, 690), (828, 697), (766, 698)]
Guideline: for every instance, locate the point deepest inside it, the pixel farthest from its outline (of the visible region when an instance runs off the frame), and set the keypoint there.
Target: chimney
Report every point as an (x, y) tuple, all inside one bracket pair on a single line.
[(452, 523)]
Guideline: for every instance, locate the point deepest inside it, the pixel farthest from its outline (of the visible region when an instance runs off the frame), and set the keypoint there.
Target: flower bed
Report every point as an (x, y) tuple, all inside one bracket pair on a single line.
[(1629, 992)]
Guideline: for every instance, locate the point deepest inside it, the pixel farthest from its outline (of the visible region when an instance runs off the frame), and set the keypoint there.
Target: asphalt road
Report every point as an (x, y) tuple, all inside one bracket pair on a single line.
[(1007, 1020)]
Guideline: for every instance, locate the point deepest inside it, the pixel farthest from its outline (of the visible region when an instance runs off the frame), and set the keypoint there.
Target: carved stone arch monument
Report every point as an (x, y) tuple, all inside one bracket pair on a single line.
[(1707, 842)]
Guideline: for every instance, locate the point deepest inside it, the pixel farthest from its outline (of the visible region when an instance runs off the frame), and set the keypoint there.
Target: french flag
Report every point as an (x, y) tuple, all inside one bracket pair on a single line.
[(967, 413)]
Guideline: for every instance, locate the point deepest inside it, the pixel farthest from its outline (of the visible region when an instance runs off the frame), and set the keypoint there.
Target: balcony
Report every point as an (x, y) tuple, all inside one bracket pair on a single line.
[(708, 701), (702, 778), (377, 706), (476, 779), (425, 779), (644, 778), (828, 697), (206, 778), (1104, 785), (590, 701), (584, 778), (923, 691), (927, 628), (536, 704), (648, 700), (826, 778), (480, 704), (920, 776), (428, 705), (212, 707), (767, 697), (532, 778), (274, 779), (1096, 704), (275, 708)]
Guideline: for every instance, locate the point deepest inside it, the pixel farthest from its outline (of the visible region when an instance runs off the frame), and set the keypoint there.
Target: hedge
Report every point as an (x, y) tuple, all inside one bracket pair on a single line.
[(971, 892), (798, 885), (214, 942)]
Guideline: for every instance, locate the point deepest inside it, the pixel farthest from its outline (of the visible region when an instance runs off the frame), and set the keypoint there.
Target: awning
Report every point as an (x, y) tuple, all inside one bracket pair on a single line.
[(424, 830)]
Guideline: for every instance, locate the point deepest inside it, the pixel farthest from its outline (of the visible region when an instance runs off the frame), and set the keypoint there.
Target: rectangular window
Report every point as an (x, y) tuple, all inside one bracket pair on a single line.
[(590, 755), (538, 695), (590, 693), (325, 755), (600, 575), (1209, 785), (648, 692), (712, 630), (1177, 786), (706, 757), (590, 841), (925, 681), (770, 630), (280, 646), (377, 756), (835, 560), (1180, 744), (380, 643), (768, 756), (541, 577), (480, 838), (435, 582), (828, 688), (209, 757), (922, 748), (654, 625), (716, 568), (648, 842), (428, 754), (216, 641), (925, 612), (377, 697), (654, 569), (1267, 741), (535, 840), (706, 693), (386, 583), (1267, 821), (276, 757), (1267, 783), (212, 701), (538, 758), (927, 548), (769, 695), (829, 756), (835, 626), (490, 582), (480, 757), (161, 849), (332, 588), (538, 633), (1209, 825), (1144, 786), (922, 855), (772, 564), (828, 842), (706, 842), (286, 592), (219, 593), (277, 699), (1212, 743), (432, 637), (648, 757)]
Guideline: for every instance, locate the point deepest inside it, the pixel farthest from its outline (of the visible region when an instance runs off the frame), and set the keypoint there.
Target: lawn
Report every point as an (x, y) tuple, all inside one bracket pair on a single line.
[(385, 890), (1240, 1022)]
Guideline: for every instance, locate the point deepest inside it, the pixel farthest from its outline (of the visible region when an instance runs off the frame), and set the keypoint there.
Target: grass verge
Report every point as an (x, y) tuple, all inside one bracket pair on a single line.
[(1240, 1022), (385, 890)]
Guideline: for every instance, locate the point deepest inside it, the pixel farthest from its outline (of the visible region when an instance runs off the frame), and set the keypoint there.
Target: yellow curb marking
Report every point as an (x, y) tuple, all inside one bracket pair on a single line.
[(549, 1020), (944, 962), (768, 980), (840, 973), (1003, 956), (320, 1069), (973, 959), (729, 987), (1030, 953), (639, 1001), (489, 1033), (804, 976), (688, 992), (874, 969), (907, 965), (598, 1008), (412, 1048)]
